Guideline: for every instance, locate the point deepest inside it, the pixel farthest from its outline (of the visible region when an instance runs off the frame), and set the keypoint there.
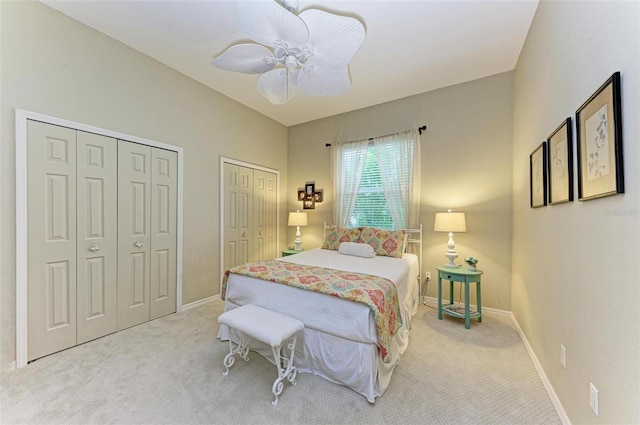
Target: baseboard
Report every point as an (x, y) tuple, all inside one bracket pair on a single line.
[(433, 302), (200, 302), (543, 376)]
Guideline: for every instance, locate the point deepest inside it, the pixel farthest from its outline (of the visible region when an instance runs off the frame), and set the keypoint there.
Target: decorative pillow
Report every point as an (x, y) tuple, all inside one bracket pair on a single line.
[(384, 242), (358, 249), (335, 235)]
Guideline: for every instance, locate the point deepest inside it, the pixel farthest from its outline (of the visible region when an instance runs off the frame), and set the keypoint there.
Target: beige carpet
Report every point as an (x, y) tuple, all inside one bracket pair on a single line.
[(169, 371)]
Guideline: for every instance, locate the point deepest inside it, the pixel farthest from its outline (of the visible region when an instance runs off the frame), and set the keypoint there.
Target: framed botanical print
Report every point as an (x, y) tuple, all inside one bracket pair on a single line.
[(538, 176), (560, 164), (599, 142)]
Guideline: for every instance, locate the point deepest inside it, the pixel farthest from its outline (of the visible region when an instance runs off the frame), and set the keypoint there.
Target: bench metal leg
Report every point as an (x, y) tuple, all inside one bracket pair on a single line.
[(241, 349), (285, 367)]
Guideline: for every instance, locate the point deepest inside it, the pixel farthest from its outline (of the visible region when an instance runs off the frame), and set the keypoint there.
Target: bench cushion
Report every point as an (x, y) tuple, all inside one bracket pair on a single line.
[(262, 324)]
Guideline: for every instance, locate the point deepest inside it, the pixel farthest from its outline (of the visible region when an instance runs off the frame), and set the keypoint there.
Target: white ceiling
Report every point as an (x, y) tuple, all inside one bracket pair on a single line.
[(410, 47)]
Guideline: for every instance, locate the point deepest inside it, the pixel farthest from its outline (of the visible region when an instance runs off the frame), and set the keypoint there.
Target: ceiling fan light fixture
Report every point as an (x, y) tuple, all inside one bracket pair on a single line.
[(318, 43)]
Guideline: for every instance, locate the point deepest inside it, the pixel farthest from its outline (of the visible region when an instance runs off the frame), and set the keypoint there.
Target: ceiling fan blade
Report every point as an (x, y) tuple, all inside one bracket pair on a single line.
[(335, 39), (267, 21), (246, 58), (278, 85), (320, 81)]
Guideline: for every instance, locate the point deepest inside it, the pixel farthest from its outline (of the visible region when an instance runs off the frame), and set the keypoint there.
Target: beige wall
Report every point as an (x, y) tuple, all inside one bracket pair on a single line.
[(466, 166), (575, 266), (56, 66)]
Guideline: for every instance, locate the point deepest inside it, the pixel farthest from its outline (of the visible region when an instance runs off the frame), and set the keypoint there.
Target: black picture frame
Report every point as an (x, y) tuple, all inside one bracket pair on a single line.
[(560, 164), (538, 176), (301, 195), (309, 189), (599, 142), (317, 196)]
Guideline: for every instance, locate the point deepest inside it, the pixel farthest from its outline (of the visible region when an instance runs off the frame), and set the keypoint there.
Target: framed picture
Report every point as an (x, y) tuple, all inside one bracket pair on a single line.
[(599, 140), (309, 204), (301, 195), (309, 189), (560, 164), (317, 196), (538, 176)]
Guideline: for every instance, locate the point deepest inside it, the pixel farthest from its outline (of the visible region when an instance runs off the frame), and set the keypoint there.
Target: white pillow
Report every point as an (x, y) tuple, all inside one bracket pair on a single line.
[(358, 249)]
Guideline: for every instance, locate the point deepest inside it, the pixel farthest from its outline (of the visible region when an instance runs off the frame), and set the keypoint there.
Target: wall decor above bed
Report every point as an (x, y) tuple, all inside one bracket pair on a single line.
[(309, 195)]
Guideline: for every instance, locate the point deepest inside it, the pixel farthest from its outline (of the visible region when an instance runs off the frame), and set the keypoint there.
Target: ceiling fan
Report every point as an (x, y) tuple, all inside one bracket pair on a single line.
[(309, 51)]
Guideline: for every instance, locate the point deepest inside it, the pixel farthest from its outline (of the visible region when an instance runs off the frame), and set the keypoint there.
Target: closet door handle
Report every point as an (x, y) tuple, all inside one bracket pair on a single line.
[(138, 244), (94, 248), (260, 233), (244, 235)]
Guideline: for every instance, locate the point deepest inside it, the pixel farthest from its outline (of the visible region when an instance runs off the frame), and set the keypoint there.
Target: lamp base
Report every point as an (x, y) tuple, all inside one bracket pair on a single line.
[(298, 240), (451, 254)]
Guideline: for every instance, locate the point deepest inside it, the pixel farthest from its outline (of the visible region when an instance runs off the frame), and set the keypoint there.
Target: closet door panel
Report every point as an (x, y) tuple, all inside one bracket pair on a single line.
[(134, 229), (51, 239), (164, 201), (270, 215), (245, 217), (264, 215), (97, 233), (259, 225), (238, 203)]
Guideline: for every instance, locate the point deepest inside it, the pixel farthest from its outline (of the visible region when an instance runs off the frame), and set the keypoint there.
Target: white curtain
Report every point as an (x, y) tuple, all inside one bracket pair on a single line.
[(347, 165), (398, 157)]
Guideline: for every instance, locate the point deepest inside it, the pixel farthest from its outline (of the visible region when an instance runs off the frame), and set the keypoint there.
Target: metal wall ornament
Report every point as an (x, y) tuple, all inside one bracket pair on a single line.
[(560, 164), (599, 142)]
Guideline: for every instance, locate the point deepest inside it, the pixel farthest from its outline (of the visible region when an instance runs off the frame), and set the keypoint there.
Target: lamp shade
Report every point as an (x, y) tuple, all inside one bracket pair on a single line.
[(297, 218), (450, 222)]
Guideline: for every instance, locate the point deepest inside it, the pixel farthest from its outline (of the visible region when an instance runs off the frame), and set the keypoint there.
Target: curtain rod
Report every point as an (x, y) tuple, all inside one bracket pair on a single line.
[(420, 129)]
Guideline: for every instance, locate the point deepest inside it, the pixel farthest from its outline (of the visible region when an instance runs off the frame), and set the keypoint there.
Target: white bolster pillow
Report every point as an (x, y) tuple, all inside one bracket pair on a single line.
[(358, 249)]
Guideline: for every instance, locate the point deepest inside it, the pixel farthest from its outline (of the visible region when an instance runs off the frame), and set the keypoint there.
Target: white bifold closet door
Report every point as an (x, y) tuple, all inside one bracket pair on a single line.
[(250, 215), (147, 198), (102, 236), (97, 235), (51, 238), (264, 215)]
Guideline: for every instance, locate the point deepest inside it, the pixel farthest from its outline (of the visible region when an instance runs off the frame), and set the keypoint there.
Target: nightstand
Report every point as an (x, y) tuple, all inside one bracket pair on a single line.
[(288, 252), (465, 276)]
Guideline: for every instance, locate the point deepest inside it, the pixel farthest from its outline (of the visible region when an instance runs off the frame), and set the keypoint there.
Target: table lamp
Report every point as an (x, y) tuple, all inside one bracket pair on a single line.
[(450, 222), (298, 219)]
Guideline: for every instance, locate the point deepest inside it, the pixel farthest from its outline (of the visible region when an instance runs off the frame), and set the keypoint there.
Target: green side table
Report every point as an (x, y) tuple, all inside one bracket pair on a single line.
[(288, 252), (465, 276)]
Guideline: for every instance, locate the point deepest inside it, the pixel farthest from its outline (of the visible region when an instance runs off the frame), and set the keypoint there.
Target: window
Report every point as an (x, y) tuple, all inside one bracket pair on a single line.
[(371, 207), (376, 182)]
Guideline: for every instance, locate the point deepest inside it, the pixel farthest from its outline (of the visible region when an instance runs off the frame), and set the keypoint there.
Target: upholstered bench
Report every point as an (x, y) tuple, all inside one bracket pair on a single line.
[(269, 328)]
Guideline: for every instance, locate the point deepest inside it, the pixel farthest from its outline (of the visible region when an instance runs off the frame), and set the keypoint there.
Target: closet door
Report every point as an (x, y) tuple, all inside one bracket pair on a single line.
[(164, 201), (51, 238), (264, 215), (238, 205), (97, 235), (134, 228)]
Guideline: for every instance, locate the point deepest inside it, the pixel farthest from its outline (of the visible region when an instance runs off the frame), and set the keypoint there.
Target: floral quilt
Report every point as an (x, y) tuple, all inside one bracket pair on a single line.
[(378, 293)]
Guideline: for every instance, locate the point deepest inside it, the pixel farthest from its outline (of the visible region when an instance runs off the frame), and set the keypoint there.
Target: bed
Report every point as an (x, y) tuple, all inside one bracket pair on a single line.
[(341, 341)]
